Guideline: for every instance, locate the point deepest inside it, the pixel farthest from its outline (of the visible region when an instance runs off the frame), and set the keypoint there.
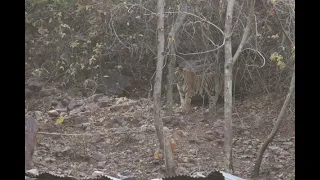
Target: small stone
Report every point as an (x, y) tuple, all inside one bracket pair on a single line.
[(104, 104), (101, 164), (210, 132), (286, 153), (65, 102), (53, 113), (246, 132), (63, 114), (27, 93), (33, 172), (61, 110), (49, 160), (54, 103), (181, 171), (47, 92), (188, 165), (217, 124), (278, 166), (125, 175), (74, 104), (210, 137), (288, 143), (97, 173), (34, 86), (143, 128), (38, 115), (86, 113), (99, 157), (75, 111), (83, 125)]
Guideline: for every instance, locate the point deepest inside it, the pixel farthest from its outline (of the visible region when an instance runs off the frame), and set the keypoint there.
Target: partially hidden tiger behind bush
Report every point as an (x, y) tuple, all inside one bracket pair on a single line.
[(190, 84)]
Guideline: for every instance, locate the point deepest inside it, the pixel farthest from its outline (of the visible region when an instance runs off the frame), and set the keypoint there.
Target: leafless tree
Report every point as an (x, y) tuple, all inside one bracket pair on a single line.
[(164, 144), (172, 61), (280, 118), (275, 128), (228, 67)]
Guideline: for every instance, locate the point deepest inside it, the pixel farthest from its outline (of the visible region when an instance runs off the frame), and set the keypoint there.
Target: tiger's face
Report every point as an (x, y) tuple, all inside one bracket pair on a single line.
[(178, 74)]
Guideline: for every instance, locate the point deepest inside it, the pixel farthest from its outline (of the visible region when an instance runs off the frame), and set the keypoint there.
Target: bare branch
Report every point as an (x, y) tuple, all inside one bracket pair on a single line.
[(245, 32)]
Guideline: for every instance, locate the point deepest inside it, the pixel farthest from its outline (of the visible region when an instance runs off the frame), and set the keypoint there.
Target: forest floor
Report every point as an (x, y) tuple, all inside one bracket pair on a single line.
[(113, 135)]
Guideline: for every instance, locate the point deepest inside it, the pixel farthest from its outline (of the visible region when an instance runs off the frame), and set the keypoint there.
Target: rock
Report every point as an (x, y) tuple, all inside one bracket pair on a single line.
[(246, 132), (27, 93), (83, 125), (278, 166), (47, 92), (61, 110), (195, 141), (38, 115), (210, 137), (218, 142), (34, 172), (46, 127), (63, 114), (286, 153), (217, 124), (75, 112), (288, 143), (98, 157), (181, 171), (143, 128), (126, 175), (34, 86), (65, 102), (188, 165), (80, 120), (53, 113), (60, 105), (101, 164), (49, 160), (104, 104), (54, 103), (74, 104), (31, 130), (138, 114), (210, 132), (86, 113), (95, 97), (97, 173)]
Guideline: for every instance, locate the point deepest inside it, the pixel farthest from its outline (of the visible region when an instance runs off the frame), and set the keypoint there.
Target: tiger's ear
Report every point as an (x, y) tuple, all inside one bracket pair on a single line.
[(179, 68)]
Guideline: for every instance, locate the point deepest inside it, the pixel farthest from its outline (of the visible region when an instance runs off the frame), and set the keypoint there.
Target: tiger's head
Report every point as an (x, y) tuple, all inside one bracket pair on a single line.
[(178, 75)]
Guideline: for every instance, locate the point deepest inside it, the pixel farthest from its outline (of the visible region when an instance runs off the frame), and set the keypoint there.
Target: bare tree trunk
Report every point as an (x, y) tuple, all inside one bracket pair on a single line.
[(164, 145), (228, 136), (275, 128), (228, 67), (180, 18), (217, 81)]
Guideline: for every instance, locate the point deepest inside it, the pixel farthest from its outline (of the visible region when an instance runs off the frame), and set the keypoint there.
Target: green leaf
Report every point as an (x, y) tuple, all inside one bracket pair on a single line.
[(60, 120)]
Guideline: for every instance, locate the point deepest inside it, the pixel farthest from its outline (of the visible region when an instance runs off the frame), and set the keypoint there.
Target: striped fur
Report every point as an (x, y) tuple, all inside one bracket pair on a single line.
[(190, 84)]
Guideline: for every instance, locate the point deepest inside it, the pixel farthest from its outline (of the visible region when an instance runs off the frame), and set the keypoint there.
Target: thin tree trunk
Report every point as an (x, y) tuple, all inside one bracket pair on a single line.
[(172, 61), (275, 128), (228, 89), (228, 67), (164, 145)]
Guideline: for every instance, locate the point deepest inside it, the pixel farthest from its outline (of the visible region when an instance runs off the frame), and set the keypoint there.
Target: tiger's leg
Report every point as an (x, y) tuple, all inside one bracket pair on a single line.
[(187, 103), (212, 97), (182, 96)]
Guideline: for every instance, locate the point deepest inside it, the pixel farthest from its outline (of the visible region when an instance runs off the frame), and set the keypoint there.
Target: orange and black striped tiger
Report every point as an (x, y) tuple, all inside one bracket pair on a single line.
[(190, 84)]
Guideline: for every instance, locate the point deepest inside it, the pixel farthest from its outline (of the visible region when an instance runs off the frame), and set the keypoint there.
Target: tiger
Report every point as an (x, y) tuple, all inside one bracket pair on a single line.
[(190, 84)]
